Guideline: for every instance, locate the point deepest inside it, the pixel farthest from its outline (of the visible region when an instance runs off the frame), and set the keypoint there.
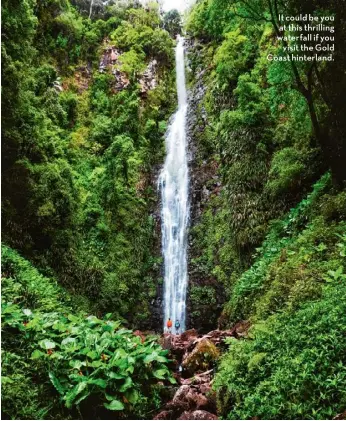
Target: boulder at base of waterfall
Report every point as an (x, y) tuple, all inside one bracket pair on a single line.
[(181, 393), (188, 335), (164, 415), (166, 341), (197, 400), (189, 398), (179, 402), (197, 415), (201, 358), (189, 395), (179, 344)]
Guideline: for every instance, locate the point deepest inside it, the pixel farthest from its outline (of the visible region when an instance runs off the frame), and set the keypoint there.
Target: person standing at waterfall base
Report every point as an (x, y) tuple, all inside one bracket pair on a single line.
[(177, 327), (169, 325)]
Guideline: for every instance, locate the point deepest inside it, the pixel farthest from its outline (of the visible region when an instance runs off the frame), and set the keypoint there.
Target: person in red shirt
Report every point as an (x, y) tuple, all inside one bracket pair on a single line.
[(169, 325)]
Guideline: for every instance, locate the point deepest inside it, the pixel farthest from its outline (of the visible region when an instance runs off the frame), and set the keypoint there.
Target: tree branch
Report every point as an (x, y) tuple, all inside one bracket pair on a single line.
[(276, 11), (324, 94)]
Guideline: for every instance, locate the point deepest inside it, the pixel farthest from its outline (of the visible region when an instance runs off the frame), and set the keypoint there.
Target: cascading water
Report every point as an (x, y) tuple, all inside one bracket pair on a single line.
[(174, 186)]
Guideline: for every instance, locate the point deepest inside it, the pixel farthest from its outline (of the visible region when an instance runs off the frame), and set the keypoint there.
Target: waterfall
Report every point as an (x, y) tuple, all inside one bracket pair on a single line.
[(174, 187)]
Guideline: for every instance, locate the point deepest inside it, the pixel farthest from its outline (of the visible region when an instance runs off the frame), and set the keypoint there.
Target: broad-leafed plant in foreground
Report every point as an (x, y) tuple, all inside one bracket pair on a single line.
[(89, 358)]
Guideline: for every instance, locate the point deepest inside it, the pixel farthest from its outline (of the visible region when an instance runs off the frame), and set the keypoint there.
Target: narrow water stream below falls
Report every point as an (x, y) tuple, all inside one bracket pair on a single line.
[(174, 188)]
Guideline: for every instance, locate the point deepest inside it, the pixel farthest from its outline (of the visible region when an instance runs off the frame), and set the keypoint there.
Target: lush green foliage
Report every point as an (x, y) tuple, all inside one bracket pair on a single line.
[(257, 133), (25, 286), (257, 137), (25, 290), (92, 364), (279, 256), (79, 146), (80, 142), (87, 91), (295, 260), (294, 366)]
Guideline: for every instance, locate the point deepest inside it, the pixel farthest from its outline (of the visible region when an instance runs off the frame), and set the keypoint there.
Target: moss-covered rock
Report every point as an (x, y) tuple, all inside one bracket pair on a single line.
[(201, 358)]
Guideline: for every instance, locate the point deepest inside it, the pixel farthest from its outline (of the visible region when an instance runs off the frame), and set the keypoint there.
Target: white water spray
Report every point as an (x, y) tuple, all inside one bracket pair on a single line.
[(174, 186)]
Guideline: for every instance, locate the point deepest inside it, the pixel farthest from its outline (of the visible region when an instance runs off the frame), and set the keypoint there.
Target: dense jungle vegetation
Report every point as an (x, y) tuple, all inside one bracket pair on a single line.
[(78, 158), (81, 135), (87, 92), (274, 234)]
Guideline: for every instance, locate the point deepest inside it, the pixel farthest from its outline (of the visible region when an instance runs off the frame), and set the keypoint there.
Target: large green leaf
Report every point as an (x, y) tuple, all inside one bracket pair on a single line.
[(160, 374), (93, 320), (108, 328), (132, 396), (172, 380), (93, 355), (121, 364), (27, 312), (150, 358), (98, 382), (120, 353), (37, 354), (68, 342), (115, 405), (47, 344), (56, 383), (83, 395), (113, 375), (73, 318), (71, 396), (130, 369), (126, 385), (110, 397), (77, 364), (61, 327), (123, 331)]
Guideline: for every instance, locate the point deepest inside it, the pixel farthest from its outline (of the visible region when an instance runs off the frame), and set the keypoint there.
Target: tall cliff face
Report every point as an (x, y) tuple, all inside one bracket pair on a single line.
[(205, 293)]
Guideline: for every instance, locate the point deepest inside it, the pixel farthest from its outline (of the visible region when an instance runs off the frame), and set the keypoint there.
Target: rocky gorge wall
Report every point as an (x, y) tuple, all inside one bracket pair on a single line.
[(205, 293)]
